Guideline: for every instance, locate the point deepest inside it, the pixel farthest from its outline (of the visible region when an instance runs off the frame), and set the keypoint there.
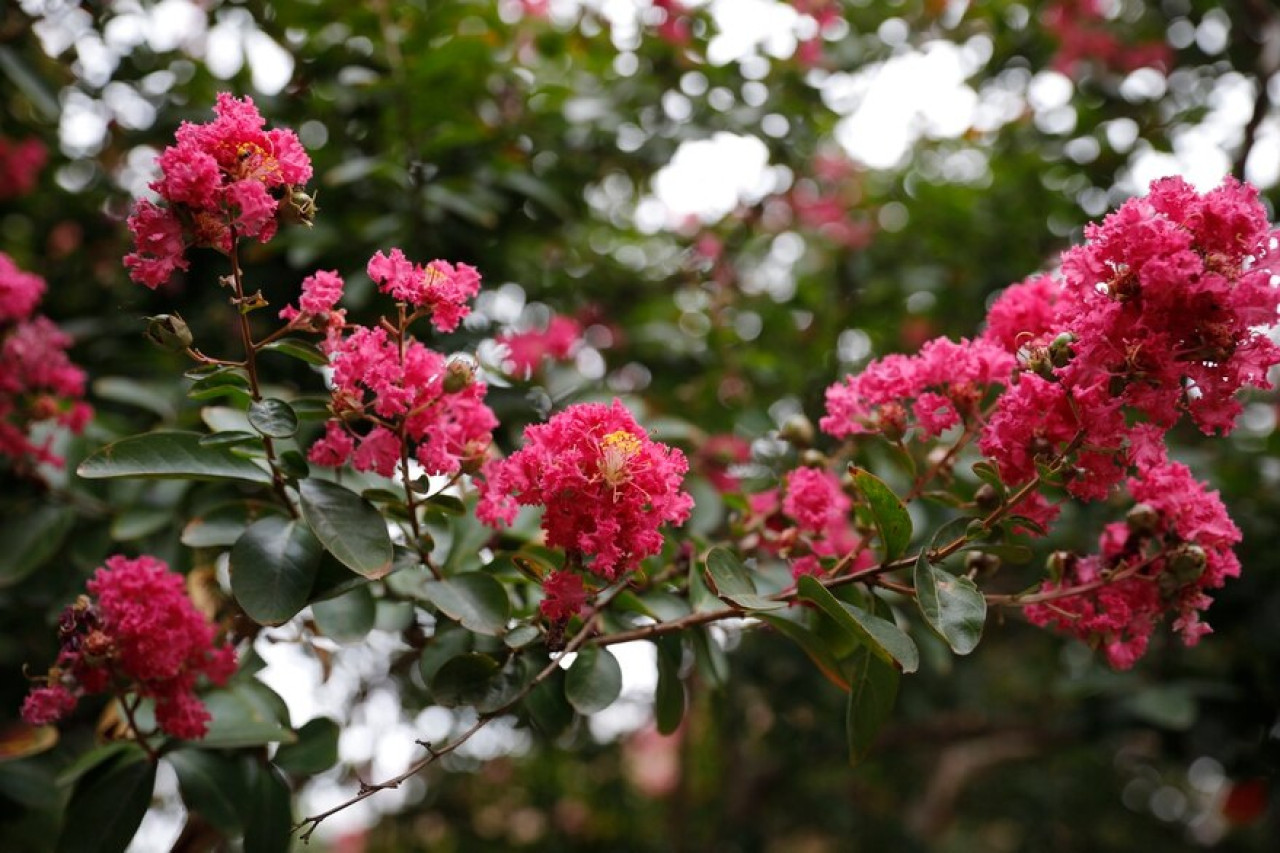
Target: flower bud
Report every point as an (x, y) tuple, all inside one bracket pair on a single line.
[(1060, 350), (813, 459), (1059, 563), (987, 498), (1187, 562), (458, 374), (797, 430), (299, 208), (1143, 519), (169, 331)]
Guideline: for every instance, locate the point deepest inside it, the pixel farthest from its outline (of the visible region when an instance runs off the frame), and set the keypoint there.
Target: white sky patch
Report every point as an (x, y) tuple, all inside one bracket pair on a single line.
[(920, 93), (707, 178), (748, 27)]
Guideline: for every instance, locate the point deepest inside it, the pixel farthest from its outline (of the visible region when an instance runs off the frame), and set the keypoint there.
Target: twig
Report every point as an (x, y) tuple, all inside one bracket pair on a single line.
[(308, 825)]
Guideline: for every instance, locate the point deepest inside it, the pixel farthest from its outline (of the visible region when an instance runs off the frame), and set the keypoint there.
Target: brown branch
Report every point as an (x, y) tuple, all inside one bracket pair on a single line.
[(251, 368), (309, 824), (1265, 23)]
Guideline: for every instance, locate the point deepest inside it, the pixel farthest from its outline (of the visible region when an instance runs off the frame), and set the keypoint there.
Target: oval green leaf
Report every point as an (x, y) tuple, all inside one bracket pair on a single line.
[(273, 418), (887, 512), (888, 641), (811, 644), (594, 680), (28, 539), (315, 751), (346, 618), (348, 526), (269, 821), (247, 713), (273, 566), (953, 606), (299, 349), (108, 803), (873, 690), (474, 599), (210, 783), (169, 455)]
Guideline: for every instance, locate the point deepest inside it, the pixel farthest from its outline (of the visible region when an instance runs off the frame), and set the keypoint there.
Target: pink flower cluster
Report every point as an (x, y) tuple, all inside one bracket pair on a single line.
[(1083, 36), (944, 385), (317, 309), (1177, 545), (139, 633), (1157, 315), (439, 287), (38, 382), (1160, 313), (606, 486), (222, 181), (394, 396), (20, 165), (526, 350), (808, 519)]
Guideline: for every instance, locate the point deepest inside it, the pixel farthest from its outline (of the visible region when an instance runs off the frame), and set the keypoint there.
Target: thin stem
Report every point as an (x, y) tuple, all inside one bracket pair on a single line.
[(251, 368), (434, 753), (138, 737), (922, 480)]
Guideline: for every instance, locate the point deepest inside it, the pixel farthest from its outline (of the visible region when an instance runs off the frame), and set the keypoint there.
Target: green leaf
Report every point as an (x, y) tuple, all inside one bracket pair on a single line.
[(273, 418), (347, 618), (447, 504), (136, 522), (890, 516), (245, 713), (444, 646), (467, 536), (155, 397), (169, 455), (548, 710), (108, 803), (594, 680), (873, 689), (475, 599), (269, 821), (732, 582), (29, 539), (348, 526), (88, 761), (811, 644), (221, 525), (273, 566), (668, 701), (953, 606), (299, 349), (227, 382), (888, 641), (210, 782), (315, 751), (1169, 706), (229, 438), (521, 636), (464, 680)]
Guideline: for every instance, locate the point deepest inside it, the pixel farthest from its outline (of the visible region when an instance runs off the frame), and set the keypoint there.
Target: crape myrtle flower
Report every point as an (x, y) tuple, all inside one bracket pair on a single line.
[(606, 487), (222, 180), (135, 632)]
